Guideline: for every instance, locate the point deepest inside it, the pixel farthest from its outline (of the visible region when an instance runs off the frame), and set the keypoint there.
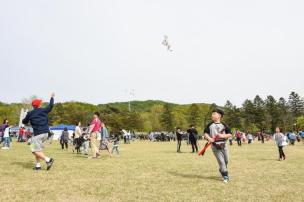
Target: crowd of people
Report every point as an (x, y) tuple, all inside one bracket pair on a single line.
[(6, 135), (97, 138)]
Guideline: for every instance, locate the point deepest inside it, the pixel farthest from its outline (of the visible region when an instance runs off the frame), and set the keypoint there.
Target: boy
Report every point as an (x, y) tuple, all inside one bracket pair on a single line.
[(279, 139), (115, 144), (218, 133), (38, 118)]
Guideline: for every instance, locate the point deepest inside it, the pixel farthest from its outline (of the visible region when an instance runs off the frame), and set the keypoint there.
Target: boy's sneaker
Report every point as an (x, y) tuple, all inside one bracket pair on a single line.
[(49, 164), (37, 168), (226, 179)]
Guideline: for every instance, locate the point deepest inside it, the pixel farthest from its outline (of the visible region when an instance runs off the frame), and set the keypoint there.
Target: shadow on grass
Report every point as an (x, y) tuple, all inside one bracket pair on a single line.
[(194, 176), (265, 159), (174, 152), (28, 164), (80, 156)]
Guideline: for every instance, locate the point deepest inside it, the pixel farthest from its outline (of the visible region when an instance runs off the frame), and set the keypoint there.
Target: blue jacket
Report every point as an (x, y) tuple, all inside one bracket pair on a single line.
[(104, 133), (38, 118)]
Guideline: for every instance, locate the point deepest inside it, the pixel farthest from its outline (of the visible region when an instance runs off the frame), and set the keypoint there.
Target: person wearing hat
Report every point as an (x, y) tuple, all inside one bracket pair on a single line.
[(218, 133), (38, 118)]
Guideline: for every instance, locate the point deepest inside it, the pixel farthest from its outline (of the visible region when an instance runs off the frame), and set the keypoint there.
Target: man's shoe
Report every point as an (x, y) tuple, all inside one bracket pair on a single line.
[(226, 179), (37, 168), (49, 164)]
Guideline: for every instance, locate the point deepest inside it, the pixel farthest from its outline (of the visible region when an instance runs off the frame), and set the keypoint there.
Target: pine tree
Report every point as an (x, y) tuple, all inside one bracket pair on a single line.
[(296, 104), (167, 118), (194, 114), (232, 115)]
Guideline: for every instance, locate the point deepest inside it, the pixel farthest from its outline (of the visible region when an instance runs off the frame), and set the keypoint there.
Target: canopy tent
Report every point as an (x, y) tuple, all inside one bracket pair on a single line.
[(57, 130), (62, 126)]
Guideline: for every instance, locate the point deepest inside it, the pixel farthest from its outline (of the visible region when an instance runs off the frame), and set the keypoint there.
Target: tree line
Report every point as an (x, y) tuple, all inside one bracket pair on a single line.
[(266, 114)]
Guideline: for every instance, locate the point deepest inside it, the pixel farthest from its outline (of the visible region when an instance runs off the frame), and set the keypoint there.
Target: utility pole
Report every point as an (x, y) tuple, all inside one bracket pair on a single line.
[(131, 94)]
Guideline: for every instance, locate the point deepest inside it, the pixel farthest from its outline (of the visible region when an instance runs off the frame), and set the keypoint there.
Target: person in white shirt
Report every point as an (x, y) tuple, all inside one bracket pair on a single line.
[(250, 138), (78, 131), (77, 135), (280, 138), (6, 137)]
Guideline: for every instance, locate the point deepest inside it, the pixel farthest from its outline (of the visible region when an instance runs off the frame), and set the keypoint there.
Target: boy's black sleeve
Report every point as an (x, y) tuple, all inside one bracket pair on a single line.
[(207, 129), (227, 129)]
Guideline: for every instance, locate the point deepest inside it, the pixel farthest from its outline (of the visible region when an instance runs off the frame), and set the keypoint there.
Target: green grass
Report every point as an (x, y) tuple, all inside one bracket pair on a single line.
[(150, 171)]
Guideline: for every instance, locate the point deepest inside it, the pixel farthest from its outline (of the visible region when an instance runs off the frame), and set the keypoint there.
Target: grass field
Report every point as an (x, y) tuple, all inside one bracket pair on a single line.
[(150, 171)]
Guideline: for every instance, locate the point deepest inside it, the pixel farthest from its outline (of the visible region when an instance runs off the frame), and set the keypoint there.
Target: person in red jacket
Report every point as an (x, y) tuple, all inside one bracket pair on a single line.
[(20, 134)]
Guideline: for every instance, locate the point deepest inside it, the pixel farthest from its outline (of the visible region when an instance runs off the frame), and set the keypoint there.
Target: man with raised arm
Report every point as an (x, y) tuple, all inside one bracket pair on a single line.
[(38, 118)]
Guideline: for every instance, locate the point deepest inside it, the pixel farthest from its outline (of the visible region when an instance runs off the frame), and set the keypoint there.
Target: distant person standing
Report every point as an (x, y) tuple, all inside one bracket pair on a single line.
[(77, 131), (94, 132), (77, 135), (6, 138), (179, 139), (64, 138), (20, 134), (86, 143), (238, 138), (250, 138), (279, 139), (2, 129), (262, 137), (38, 118), (115, 144), (292, 138), (104, 142), (192, 132)]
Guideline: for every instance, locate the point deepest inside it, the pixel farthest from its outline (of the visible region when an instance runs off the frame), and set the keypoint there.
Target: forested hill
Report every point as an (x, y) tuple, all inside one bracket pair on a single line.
[(145, 106), (258, 114), (144, 115)]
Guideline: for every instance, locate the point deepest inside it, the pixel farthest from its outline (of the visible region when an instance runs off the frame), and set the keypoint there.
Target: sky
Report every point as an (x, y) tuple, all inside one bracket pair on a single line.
[(96, 51)]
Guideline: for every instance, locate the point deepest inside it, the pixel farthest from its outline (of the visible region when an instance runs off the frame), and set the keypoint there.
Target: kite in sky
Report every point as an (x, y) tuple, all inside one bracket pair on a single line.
[(166, 43)]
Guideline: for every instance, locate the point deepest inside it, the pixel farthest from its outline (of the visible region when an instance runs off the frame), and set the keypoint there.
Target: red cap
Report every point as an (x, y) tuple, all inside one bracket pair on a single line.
[(36, 103)]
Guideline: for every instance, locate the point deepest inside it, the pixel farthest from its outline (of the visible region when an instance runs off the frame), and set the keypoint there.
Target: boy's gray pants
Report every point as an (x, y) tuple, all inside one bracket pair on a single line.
[(85, 146), (222, 157)]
